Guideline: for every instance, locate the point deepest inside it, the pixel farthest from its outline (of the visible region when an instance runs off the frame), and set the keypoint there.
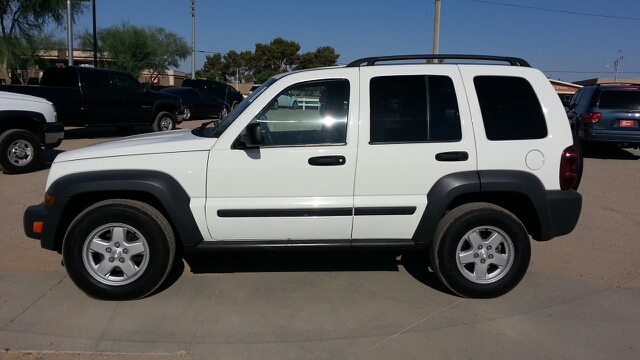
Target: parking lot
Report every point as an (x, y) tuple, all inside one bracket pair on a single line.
[(579, 300)]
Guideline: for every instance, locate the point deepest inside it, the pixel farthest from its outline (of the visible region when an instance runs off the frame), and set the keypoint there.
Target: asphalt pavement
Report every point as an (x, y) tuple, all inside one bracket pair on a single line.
[(579, 300)]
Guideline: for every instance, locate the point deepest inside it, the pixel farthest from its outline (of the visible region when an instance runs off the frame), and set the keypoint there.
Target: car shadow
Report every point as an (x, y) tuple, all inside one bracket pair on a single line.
[(597, 151), (415, 262)]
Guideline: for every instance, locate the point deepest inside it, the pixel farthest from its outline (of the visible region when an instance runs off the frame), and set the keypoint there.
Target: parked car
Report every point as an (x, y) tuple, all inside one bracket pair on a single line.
[(606, 114), (286, 100), (398, 162), (198, 103), (27, 124), (85, 96), (219, 90)]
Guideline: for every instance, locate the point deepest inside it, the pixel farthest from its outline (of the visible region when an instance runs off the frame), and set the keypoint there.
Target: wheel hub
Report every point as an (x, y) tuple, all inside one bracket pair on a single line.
[(20, 152)]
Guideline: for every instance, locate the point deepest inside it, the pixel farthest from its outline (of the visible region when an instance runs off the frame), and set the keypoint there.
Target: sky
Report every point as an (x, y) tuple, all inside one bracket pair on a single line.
[(568, 40)]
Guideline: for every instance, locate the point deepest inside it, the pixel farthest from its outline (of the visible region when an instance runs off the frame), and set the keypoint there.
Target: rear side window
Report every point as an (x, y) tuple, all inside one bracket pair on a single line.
[(510, 108), (414, 108), (64, 77), (617, 99)]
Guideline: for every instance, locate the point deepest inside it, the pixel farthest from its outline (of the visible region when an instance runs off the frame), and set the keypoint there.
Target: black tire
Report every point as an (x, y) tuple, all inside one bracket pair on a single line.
[(294, 105), (145, 246), (20, 151), (465, 230), (164, 121)]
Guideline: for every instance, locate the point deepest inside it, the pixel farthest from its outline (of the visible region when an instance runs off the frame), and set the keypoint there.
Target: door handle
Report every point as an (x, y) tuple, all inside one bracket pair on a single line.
[(453, 156), (330, 160)]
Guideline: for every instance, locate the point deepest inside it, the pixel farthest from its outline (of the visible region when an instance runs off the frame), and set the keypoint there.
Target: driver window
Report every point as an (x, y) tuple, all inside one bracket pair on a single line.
[(312, 113)]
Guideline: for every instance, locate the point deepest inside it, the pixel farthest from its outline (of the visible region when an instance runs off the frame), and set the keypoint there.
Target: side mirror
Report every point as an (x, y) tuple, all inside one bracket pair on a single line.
[(250, 137)]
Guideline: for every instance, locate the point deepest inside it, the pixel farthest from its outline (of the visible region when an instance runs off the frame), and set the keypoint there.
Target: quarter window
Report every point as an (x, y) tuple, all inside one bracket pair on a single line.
[(413, 109), (510, 108)]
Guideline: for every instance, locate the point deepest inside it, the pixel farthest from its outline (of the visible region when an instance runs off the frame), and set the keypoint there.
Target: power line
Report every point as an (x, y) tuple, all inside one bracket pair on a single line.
[(557, 11)]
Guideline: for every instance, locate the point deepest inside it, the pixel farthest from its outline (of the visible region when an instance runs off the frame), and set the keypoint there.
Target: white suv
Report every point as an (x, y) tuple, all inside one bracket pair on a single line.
[(467, 160)]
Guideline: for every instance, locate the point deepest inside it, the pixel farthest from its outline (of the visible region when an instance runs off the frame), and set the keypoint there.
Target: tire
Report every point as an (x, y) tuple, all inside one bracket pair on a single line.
[(275, 105), (20, 151), (223, 113), (165, 121), (145, 246), (467, 260), (187, 113), (294, 106)]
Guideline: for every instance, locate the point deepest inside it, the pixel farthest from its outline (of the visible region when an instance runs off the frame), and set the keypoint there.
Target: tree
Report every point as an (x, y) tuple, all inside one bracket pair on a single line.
[(135, 49), (21, 23), (280, 56), (323, 56)]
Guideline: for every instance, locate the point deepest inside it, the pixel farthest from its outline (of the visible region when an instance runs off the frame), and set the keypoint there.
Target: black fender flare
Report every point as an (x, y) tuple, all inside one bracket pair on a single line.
[(447, 189), (37, 127), (163, 187)]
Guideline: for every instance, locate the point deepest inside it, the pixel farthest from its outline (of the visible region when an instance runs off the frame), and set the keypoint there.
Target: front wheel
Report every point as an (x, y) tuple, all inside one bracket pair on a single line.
[(119, 250), (480, 250), (294, 105), (165, 121), (20, 151)]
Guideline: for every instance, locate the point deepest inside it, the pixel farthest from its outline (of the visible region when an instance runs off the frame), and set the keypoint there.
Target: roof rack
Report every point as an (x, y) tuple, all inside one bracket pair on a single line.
[(513, 61), (622, 83)]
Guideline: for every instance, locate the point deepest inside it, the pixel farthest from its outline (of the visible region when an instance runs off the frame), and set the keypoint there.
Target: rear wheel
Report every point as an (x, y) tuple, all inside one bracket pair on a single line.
[(223, 113), (165, 121), (119, 250), (480, 250), (20, 151)]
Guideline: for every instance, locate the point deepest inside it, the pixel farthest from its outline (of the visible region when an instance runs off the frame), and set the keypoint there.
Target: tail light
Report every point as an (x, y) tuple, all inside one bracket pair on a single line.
[(568, 173), (591, 117)]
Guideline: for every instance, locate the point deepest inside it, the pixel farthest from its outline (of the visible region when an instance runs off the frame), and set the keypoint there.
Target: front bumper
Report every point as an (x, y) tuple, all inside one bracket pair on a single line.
[(53, 135), (40, 222), (180, 115)]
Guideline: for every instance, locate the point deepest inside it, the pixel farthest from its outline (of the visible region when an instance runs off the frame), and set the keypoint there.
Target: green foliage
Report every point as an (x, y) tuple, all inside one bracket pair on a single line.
[(22, 23), (323, 56), (267, 60), (134, 49)]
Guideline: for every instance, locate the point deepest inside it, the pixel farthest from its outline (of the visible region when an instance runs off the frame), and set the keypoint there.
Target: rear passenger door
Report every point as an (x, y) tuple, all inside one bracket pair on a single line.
[(416, 128)]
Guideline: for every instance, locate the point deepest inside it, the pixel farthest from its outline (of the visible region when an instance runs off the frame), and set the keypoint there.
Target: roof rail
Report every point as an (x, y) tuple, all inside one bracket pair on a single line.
[(513, 61)]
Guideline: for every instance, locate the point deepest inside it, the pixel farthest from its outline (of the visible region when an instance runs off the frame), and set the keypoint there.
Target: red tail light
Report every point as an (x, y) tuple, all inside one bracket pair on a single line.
[(591, 117), (568, 173)]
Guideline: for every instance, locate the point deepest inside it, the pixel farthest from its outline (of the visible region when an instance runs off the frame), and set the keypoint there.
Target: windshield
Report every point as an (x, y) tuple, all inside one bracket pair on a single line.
[(233, 115)]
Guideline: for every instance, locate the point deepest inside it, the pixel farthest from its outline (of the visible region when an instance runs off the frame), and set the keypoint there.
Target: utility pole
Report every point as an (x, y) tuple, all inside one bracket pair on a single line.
[(193, 39), (436, 28), (616, 65), (69, 34)]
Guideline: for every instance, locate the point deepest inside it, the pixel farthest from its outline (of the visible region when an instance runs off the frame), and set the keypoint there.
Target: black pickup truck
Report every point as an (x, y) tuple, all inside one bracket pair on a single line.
[(85, 96)]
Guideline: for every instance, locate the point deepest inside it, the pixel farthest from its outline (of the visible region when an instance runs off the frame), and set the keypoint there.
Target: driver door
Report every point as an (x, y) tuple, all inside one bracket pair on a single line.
[(299, 184)]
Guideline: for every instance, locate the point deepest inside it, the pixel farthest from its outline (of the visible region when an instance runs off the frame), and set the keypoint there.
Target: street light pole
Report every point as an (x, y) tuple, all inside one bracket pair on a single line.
[(616, 65), (193, 39)]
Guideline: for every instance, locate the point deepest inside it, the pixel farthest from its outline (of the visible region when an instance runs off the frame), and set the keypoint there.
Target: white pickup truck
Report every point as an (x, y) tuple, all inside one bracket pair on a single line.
[(27, 124)]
